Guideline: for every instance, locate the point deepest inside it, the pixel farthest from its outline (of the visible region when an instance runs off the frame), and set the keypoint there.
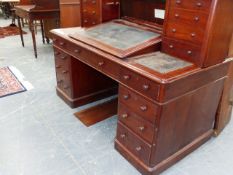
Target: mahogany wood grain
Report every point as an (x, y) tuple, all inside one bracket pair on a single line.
[(97, 113)]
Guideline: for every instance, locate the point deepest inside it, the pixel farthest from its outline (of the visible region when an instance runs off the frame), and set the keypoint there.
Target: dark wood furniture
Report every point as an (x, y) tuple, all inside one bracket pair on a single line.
[(42, 9), (169, 95)]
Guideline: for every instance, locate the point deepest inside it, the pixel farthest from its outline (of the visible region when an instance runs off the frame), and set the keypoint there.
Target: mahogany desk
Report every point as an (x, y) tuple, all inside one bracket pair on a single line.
[(166, 106), (32, 13)]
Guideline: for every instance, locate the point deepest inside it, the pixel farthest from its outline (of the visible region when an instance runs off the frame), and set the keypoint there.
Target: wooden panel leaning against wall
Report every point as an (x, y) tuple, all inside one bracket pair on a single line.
[(224, 113)]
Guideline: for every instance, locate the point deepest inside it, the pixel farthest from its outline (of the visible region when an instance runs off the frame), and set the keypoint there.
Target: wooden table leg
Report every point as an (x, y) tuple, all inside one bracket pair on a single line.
[(20, 30), (31, 27), (42, 30)]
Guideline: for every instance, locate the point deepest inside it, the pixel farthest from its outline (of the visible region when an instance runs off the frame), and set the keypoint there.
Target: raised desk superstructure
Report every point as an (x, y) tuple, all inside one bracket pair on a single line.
[(167, 101)]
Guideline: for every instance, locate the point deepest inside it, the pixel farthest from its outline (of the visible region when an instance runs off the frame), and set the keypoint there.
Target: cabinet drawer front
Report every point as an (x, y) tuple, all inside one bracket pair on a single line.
[(139, 83), (203, 5), (185, 32), (182, 50), (137, 124), (138, 104), (133, 143)]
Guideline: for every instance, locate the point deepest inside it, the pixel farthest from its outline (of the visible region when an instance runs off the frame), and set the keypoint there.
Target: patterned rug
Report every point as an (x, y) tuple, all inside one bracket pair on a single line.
[(9, 31), (9, 84)]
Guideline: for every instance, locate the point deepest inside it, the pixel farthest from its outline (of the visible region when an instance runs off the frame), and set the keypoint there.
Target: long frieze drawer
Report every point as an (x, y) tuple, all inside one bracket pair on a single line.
[(138, 104), (133, 143), (188, 17), (137, 124), (183, 50), (139, 83), (203, 5), (190, 33)]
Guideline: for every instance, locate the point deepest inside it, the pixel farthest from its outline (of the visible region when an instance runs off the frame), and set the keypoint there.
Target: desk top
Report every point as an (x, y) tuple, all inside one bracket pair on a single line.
[(118, 37), (26, 8)]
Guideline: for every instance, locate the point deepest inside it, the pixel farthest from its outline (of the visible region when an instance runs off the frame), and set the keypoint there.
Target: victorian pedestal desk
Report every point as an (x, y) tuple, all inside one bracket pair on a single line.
[(169, 78), (42, 10)]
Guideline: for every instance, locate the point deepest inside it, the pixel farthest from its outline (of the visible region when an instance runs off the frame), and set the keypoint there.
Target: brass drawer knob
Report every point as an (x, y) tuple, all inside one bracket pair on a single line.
[(141, 128), (146, 87), (143, 108), (126, 97), (65, 71), (189, 52), (123, 136), (126, 77), (100, 64), (199, 4), (139, 148), (124, 116)]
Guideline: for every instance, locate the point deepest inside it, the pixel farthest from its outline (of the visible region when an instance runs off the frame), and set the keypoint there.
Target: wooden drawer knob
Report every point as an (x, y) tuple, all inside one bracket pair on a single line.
[(124, 116), (177, 15), (193, 34), (146, 87), (199, 4), (62, 43), (171, 46), (143, 108), (66, 87), (174, 30), (56, 53), (63, 57), (54, 39), (59, 81), (196, 18), (126, 97), (126, 77), (178, 1), (141, 128), (58, 66), (100, 64), (123, 136), (77, 51), (65, 71), (189, 52), (139, 148)]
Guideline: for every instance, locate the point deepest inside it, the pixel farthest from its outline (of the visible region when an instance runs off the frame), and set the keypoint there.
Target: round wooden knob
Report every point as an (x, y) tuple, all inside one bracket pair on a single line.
[(139, 148), (171, 46), (178, 1), (62, 43), (125, 116), (189, 52), (174, 30), (143, 108), (76, 51), (59, 81), (177, 15), (58, 66), (66, 87), (196, 18), (56, 53), (145, 87), (199, 4), (141, 128), (126, 77), (193, 34), (65, 71), (100, 64), (122, 136), (126, 97), (63, 57)]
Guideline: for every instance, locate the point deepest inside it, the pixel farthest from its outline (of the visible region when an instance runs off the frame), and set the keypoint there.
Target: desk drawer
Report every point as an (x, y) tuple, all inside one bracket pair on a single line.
[(183, 50), (203, 5), (140, 126), (133, 143), (138, 104), (139, 83)]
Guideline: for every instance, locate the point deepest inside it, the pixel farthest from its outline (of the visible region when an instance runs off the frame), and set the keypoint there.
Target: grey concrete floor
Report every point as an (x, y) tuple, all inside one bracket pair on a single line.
[(40, 136)]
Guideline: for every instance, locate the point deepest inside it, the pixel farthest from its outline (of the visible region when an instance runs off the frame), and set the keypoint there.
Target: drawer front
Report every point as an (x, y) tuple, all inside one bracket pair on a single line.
[(62, 66), (185, 32), (138, 104), (182, 50), (133, 143), (203, 5), (139, 83), (141, 127)]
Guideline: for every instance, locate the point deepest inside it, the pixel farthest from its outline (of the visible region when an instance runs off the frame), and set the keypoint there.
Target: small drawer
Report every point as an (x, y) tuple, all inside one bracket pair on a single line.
[(182, 50), (137, 124), (133, 143), (203, 5), (190, 33), (139, 83), (138, 104)]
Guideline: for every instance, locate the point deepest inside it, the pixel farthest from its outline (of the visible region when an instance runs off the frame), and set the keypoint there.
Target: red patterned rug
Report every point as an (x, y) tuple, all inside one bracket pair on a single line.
[(9, 31), (9, 84)]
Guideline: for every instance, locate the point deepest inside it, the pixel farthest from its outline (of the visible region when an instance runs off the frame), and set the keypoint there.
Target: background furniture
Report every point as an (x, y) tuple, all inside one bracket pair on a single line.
[(169, 95), (40, 11)]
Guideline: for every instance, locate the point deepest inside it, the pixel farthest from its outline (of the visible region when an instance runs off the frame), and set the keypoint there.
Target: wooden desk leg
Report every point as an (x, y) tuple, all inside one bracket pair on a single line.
[(31, 27), (42, 30), (20, 30)]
